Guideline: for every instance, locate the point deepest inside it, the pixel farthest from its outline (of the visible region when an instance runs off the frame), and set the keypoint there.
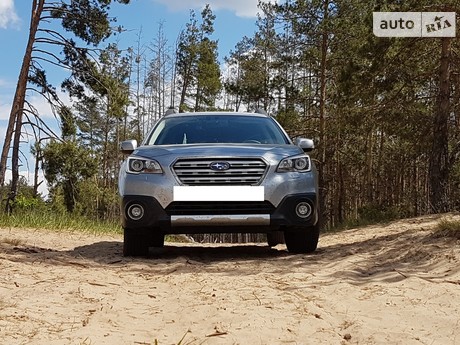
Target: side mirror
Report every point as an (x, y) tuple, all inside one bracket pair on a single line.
[(306, 145), (128, 146)]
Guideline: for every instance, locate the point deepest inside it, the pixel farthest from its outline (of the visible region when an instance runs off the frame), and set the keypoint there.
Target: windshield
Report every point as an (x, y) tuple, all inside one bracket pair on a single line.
[(198, 129)]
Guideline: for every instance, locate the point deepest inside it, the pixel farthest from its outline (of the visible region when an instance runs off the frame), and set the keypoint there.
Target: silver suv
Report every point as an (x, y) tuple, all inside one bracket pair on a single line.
[(218, 172)]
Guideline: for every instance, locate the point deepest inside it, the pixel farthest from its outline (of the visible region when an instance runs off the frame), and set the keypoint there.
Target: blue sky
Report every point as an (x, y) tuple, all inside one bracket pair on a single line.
[(234, 19)]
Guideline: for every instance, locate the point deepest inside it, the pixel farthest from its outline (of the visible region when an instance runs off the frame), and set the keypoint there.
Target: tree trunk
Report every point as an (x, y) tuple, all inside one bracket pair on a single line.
[(38, 159), (183, 93), (15, 120), (322, 112), (439, 160)]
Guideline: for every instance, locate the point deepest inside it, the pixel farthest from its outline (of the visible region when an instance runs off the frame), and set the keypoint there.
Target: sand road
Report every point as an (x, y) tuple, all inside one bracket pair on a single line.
[(393, 284)]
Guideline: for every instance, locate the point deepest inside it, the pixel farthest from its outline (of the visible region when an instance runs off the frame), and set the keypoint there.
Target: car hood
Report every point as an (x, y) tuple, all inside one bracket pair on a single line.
[(272, 153)]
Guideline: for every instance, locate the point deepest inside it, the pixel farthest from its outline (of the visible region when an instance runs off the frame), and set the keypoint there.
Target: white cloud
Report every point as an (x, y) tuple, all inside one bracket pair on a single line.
[(6, 89), (38, 102), (4, 83), (8, 16), (5, 108), (42, 106), (2, 133), (242, 8)]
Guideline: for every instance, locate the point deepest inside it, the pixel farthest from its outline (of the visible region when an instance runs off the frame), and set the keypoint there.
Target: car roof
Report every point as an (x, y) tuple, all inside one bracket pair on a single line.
[(216, 113)]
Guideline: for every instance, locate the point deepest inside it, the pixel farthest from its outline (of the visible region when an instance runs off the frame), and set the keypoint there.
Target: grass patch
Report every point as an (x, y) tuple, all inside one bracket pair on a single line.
[(52, 220), (373, 214), (350, 224), (448, 228), (47, 219), (11, 241), (178, 239)]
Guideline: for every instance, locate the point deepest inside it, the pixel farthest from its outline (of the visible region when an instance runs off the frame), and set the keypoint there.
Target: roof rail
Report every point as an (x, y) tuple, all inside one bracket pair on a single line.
[(261, 111), (170, 111)]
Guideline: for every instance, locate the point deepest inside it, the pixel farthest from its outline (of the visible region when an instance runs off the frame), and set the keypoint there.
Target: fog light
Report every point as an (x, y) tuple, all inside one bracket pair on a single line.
[(135, 211), (303, 209)]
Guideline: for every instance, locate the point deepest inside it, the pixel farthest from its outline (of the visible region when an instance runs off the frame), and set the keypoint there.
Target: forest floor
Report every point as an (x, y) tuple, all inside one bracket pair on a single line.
[(397, 283)]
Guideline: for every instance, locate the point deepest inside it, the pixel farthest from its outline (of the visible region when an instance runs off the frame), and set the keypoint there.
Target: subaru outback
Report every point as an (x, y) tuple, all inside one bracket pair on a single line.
[(218, 172)]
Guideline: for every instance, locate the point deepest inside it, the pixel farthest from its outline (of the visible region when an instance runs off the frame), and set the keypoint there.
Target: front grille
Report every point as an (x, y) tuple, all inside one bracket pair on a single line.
[(217, 208), (242, 171)]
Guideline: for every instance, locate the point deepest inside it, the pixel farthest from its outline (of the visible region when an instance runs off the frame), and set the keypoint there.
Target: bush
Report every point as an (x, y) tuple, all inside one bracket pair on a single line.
[(26, 203), (381, 213), (448, 228)]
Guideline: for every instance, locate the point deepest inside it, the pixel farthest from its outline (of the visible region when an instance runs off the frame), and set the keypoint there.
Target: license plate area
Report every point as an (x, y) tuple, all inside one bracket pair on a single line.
[(219, 193)]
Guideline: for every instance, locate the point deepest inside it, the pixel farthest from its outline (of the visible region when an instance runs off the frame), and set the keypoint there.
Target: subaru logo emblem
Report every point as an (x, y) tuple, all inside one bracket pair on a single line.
[(219, 166)]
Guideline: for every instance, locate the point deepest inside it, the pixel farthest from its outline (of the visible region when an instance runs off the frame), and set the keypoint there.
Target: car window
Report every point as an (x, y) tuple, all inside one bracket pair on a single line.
[(217, 129)]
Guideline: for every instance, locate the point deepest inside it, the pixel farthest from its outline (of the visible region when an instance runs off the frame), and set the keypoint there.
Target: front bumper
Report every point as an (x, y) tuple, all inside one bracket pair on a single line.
[(219, 217)]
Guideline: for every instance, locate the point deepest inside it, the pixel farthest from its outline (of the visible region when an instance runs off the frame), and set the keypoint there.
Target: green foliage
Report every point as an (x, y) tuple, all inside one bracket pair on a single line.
[(100, 202), (68, 127), (197, 67), (368, 102), (372, 214), (208, 75), (381, 213), (34, 212), (289, 119), (27, 203), (373, 123), (66, 165), (255, 80), (25, 199), (88, 20), (83, 180)]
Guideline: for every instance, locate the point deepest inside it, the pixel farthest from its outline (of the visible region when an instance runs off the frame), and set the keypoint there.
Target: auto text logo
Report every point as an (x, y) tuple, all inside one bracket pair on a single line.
[(414, 24)]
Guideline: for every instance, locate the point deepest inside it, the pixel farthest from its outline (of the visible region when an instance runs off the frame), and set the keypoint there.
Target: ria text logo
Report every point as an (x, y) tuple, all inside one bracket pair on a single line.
[(414, 24)]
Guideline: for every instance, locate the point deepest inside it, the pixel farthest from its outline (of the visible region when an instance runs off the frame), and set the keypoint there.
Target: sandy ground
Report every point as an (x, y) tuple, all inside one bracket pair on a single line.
[(392, 284)]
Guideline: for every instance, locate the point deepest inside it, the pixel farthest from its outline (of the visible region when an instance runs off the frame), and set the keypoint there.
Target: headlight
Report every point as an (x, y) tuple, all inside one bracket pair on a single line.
[(145, 166), (300, 163)]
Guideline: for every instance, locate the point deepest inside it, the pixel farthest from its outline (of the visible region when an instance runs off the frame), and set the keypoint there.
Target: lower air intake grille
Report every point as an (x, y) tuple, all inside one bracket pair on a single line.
[(216, 208)]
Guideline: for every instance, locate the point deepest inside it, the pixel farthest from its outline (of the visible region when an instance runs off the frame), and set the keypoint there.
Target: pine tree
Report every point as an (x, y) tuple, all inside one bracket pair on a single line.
[(196, 63), (66, 163), (101, 97), (86, 20)]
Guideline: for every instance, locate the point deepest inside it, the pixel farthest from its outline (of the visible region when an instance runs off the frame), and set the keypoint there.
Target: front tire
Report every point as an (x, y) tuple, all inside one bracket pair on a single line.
[(302, 240), (136, 242), (274, 238), (157, 238)]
